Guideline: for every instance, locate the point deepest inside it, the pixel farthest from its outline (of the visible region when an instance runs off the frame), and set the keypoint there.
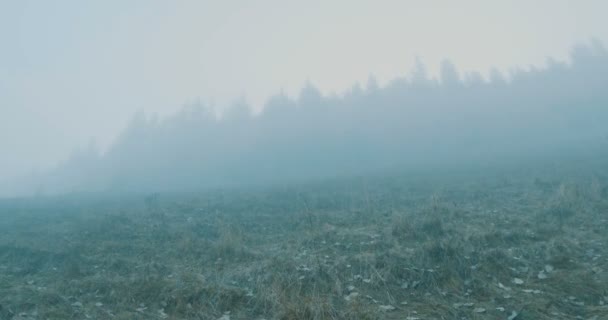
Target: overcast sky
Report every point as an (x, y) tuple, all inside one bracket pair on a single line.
[(72, 71)]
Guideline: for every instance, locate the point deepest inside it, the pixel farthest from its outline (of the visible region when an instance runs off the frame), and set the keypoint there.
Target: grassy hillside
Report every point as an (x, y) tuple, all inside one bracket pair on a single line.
[(519, 243)]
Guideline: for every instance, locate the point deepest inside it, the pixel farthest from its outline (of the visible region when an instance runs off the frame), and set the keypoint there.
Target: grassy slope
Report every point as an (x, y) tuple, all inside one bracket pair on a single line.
[(428, 246)]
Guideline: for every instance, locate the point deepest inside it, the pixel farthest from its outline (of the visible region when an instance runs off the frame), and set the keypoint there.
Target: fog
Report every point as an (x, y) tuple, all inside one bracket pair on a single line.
[(74, 72), (315, 160), (414, 122)]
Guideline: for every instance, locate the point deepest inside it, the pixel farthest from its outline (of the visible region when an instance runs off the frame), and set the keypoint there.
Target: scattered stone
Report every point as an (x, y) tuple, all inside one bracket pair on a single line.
[(386, 308), (351, 296), (467, 304), (226, 316), (501, 309), (500, 285), (98, 304), (77, 304), (303, 268), (549, 268), (518, 281), (542, 275), (479, 310), (162, 314), (513, 315)]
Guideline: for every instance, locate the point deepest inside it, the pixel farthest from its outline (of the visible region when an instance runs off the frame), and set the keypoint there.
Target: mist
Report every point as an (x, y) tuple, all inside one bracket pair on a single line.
[(314, 160), (414, 122)]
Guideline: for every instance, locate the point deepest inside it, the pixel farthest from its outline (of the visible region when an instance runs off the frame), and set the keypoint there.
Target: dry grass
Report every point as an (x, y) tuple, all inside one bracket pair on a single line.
[(317, 252)]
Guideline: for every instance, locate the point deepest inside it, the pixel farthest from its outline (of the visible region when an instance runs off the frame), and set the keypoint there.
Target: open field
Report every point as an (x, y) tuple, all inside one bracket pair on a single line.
[(518, 243)]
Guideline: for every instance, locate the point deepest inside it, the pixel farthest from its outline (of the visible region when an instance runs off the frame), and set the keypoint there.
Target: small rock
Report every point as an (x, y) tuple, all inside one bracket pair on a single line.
[(518, 281), (479, 310), (542, 275), (458, 305), (501, 309), (386, 308), (549, 268), (98, 304), (77, 304), (502, 286), (162, 314), (351, 296), (513, 315)]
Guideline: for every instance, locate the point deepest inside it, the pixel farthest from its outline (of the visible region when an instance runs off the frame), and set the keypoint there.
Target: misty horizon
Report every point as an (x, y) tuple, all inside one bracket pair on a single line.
[(76, 72), (413, 120)]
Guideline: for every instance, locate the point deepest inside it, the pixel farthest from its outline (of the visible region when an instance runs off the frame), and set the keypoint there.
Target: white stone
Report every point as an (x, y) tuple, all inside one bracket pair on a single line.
[(386, 308)]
